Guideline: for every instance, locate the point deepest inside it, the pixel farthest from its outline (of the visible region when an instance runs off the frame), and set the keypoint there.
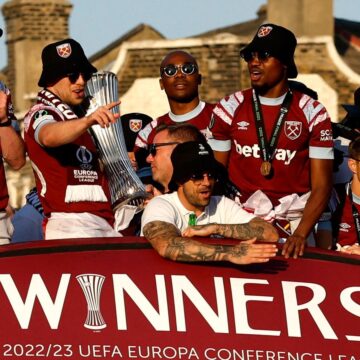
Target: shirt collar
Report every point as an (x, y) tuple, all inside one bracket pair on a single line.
[(188, 116), (185, 212)]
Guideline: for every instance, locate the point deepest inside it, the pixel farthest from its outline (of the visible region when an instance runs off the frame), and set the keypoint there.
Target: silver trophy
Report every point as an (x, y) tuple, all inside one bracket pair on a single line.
[(91, 285), (125, 186)]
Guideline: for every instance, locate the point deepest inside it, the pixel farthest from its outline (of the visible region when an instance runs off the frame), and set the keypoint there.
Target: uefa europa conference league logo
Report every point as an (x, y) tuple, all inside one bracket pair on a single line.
[(91, 285)]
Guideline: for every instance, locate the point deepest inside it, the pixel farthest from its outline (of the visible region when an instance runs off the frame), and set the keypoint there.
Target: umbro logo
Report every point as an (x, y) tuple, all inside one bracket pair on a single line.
[(243, 125), (344, 227)]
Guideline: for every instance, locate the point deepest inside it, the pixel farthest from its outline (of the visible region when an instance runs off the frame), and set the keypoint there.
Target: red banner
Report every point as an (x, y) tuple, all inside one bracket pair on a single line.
[(118, 299)]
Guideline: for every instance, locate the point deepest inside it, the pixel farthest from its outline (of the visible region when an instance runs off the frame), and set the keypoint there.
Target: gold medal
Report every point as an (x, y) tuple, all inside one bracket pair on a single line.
[(265, 168)]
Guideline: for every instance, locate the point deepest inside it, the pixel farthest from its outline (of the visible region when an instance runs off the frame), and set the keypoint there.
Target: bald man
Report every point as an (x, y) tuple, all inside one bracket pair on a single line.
[(180, 79)]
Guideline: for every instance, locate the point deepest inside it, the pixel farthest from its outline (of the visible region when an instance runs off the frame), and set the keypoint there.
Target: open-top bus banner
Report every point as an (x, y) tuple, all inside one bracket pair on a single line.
[(118, 299)]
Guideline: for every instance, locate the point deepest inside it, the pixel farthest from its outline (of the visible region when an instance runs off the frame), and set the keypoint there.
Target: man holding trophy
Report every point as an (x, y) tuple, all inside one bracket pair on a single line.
[(71, 186)]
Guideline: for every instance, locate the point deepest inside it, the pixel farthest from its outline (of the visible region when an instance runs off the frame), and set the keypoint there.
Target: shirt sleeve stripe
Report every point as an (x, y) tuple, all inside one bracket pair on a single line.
[(220, 145), (321, 152)]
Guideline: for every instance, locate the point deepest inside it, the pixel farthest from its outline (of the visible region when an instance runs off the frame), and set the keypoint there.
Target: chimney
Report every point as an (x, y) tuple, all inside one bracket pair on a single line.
[(303, 17), (30, 25)]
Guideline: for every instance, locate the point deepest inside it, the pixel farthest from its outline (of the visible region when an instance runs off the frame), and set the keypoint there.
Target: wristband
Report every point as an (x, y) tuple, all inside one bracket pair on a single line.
[(5, 123)]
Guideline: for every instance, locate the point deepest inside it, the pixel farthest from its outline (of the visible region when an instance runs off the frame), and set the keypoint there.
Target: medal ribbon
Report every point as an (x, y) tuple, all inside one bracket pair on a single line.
[(268, 148)]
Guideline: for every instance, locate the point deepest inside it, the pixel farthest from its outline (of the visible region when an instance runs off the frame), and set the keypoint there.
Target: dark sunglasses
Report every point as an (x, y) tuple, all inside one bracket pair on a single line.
[(75, 75), (153, 147), (261, 55), (172, 70), (198, 178)]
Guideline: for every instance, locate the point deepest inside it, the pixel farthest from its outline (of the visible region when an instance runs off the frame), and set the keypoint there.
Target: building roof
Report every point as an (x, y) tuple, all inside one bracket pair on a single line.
[(346, 36), (246, 28), (130, 35)]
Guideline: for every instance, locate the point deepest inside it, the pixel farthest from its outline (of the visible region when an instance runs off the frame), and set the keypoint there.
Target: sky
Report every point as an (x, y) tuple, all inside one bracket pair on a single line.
[(96, 23)]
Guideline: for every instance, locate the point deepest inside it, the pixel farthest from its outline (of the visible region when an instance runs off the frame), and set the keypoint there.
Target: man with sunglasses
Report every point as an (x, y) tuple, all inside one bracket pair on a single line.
[(169, 221), (276, 142), (180, 79), (71, 186), (165, 140)]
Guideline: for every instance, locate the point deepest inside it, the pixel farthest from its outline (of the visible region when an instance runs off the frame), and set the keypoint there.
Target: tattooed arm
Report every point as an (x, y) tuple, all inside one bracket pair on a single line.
[(258, 228), (169, 243)]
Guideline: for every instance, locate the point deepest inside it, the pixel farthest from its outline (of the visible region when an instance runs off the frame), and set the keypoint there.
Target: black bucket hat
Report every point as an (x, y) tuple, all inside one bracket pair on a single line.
[(62, 58), (132, 123), (193, 157), (278, 41)]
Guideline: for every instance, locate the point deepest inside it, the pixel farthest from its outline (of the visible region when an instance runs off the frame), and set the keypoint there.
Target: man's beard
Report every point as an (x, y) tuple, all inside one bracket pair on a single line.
[(261, 89)]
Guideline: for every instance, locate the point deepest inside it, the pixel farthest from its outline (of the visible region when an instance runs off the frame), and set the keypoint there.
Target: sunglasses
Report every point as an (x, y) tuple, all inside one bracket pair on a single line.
[(198, 178), (261, 55), (153, 147), (75, 75), (172, 70)]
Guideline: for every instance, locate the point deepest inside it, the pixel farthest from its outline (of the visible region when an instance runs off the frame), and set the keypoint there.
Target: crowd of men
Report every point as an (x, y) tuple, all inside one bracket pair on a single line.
[(255, 167)]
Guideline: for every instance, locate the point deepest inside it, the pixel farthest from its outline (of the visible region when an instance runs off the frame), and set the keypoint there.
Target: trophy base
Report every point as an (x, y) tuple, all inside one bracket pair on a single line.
[(95, 327)]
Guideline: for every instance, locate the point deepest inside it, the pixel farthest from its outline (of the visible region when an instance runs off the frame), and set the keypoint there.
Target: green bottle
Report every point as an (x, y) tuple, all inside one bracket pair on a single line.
[(192, 220)]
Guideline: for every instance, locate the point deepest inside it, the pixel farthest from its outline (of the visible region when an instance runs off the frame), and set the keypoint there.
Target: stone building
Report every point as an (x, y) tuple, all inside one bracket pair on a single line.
[(327, 57)]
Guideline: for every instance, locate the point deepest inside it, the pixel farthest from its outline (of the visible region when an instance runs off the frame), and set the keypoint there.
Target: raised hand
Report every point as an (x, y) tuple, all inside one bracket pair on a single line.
[(103, 116)]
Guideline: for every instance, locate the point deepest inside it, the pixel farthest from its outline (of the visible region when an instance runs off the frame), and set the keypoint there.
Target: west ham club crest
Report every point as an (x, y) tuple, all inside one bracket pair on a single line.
[(292, 129), (64, 50), (264, 31), (135, 125)]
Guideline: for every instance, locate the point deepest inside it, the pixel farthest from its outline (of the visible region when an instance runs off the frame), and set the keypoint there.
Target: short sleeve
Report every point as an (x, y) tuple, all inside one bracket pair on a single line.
[(158, 209)]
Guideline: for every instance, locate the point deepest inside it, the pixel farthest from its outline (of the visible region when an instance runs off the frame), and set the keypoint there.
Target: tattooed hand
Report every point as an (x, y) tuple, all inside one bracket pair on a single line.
[(200, 230), (247, 252), (258, 228), (166, 239)]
